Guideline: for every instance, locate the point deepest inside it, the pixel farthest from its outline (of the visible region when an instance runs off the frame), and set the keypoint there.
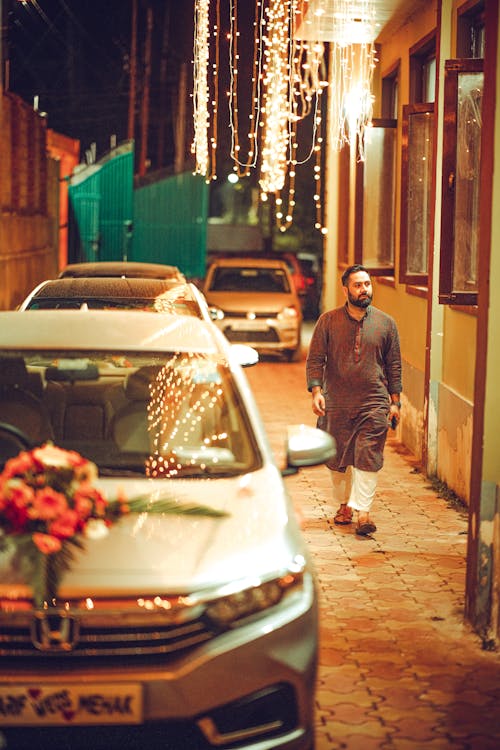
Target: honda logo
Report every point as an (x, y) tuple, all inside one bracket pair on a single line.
[(54, 631)]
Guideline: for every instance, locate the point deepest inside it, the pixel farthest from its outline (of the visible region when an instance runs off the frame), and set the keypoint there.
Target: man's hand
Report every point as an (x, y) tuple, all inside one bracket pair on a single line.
[(394, 415), (318, 402)]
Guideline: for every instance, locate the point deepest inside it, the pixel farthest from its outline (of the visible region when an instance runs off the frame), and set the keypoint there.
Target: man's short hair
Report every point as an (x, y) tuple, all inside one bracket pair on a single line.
[(350, 270)]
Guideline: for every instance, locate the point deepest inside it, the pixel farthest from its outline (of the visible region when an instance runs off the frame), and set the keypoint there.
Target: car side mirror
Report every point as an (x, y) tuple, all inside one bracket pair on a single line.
[(307, 446), (244, 355)]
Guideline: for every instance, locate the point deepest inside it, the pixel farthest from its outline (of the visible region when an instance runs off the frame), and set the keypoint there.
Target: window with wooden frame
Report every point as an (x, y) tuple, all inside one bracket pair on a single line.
[(423, 70), (390, 90), (416, 186), (375, 200), (470, 30), (417, 166), (463, 91)]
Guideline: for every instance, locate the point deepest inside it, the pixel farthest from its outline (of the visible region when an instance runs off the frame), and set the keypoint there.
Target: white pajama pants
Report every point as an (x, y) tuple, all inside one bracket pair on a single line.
[(354, 487)]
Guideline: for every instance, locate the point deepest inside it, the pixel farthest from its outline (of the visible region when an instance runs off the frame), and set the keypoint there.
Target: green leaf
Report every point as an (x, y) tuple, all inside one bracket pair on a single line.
[(145, 504)]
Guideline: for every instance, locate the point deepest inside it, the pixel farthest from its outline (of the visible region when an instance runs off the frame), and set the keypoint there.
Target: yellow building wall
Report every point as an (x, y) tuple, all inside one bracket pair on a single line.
[(453, 334), (459, 352), (408, 307)]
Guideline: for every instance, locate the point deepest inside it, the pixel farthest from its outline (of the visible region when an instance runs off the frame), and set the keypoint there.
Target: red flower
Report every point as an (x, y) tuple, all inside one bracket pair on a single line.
[(65, 525), (22, 464), (46, 544), (83, 505), (86, 496), (48, 504)]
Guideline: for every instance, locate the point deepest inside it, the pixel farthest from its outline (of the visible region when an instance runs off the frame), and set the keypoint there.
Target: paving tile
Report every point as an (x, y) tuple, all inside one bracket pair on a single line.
[(419, 726), (399, 669)]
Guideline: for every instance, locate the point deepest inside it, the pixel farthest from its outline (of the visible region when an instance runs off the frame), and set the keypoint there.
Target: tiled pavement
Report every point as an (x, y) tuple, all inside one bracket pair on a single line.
[(399, 669)]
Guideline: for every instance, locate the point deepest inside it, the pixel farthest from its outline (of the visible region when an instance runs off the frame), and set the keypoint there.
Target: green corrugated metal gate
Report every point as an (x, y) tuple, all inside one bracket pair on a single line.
[(170, 223), (163, 222)]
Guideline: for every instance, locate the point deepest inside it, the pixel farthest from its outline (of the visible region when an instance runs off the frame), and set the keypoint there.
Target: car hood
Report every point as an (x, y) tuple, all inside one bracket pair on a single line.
[(251, 301), (153, 553)]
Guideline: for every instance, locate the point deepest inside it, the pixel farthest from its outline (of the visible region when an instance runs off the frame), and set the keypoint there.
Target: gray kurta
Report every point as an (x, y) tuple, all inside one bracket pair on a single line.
[(358, 365)]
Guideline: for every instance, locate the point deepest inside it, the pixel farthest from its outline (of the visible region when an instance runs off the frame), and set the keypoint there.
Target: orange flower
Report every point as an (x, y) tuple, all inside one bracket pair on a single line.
[(122, 500), (83, 504), (19, 493), (46, 543), (48, 504), (65, 525), (86, 495), (20, 465)]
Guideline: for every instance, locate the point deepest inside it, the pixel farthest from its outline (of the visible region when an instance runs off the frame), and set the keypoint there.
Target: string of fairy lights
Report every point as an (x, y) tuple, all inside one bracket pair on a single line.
[(288, 78), (184, 422)]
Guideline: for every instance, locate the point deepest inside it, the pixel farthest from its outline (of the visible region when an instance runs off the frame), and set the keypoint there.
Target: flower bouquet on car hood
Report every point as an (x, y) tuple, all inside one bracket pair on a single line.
[(49, 504)]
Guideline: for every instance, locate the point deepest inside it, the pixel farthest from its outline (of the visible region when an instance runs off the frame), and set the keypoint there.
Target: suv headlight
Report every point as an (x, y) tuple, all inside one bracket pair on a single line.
[(216, 313), (251, 599), (288, 314)]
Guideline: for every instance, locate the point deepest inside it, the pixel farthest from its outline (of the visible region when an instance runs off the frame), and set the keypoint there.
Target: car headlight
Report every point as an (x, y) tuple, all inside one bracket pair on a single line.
[(216, 313), (288, 313), (250, 600)]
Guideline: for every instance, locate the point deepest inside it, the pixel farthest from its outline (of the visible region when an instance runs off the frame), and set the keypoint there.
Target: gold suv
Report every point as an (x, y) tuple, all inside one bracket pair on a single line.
[(254, 301)]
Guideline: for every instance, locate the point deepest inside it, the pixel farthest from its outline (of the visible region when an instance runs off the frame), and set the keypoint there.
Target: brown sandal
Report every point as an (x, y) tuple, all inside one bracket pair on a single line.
[(366, 528), (343, 516)]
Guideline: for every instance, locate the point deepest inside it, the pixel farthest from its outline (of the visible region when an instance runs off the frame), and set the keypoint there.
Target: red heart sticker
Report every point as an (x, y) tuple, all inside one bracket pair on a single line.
[(68, 715), (34, 693)]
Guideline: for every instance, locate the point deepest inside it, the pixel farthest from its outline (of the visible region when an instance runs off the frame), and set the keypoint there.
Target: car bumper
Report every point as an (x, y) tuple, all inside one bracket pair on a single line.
[(262, 335), (251, 687)]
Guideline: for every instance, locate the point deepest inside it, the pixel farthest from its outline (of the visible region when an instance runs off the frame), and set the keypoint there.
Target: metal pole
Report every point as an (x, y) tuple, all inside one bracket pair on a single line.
[(133, 73), (3, 31), (145, 94)]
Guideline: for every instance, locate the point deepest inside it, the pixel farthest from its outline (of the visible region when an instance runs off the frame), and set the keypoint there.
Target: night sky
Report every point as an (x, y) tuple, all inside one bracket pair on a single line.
[(75, 56)]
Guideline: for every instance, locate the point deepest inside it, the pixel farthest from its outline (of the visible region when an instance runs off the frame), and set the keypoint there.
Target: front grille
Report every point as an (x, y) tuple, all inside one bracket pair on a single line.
[(100, 636), (231, 314)]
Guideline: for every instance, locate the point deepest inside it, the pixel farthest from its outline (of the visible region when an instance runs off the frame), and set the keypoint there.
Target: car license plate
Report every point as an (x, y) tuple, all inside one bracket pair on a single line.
[(51, 705), (249, 325)]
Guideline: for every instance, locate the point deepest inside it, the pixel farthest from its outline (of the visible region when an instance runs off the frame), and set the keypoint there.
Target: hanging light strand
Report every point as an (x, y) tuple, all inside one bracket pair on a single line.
[(201, 89), (243, 167), (275, 113), (215, 101)]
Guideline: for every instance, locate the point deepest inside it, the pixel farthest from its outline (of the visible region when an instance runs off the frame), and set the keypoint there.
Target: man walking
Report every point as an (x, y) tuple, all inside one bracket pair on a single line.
[(353, 371)]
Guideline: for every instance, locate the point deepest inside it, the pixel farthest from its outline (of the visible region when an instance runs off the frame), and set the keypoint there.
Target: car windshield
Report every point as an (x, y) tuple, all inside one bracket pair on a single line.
[(177, 306), (244, 279), (161, 415)]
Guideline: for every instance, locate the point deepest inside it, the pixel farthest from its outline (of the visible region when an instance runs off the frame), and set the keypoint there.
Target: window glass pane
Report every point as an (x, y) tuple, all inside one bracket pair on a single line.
[(429, 80), (390, 97), (378, 197), (466, 223), (477, 41), (420, 129)]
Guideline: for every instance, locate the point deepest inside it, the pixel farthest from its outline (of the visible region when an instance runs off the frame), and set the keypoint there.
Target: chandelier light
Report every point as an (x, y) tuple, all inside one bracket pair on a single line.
[(350, 27)]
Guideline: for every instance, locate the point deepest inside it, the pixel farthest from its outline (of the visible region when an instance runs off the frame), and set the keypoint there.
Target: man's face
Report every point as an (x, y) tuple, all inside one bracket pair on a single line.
[(359, 291)]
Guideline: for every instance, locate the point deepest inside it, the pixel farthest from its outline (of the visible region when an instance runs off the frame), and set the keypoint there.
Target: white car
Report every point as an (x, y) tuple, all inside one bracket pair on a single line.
[(176, 630)]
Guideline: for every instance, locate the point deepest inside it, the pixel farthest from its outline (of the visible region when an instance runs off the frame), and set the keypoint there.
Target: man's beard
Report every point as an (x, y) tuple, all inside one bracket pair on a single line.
[(363, 302)]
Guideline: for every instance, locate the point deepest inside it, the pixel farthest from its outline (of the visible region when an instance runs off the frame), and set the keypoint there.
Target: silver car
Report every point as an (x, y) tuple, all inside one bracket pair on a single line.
[(254, 301), (190, 629), (122, 268), (118, 293)]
